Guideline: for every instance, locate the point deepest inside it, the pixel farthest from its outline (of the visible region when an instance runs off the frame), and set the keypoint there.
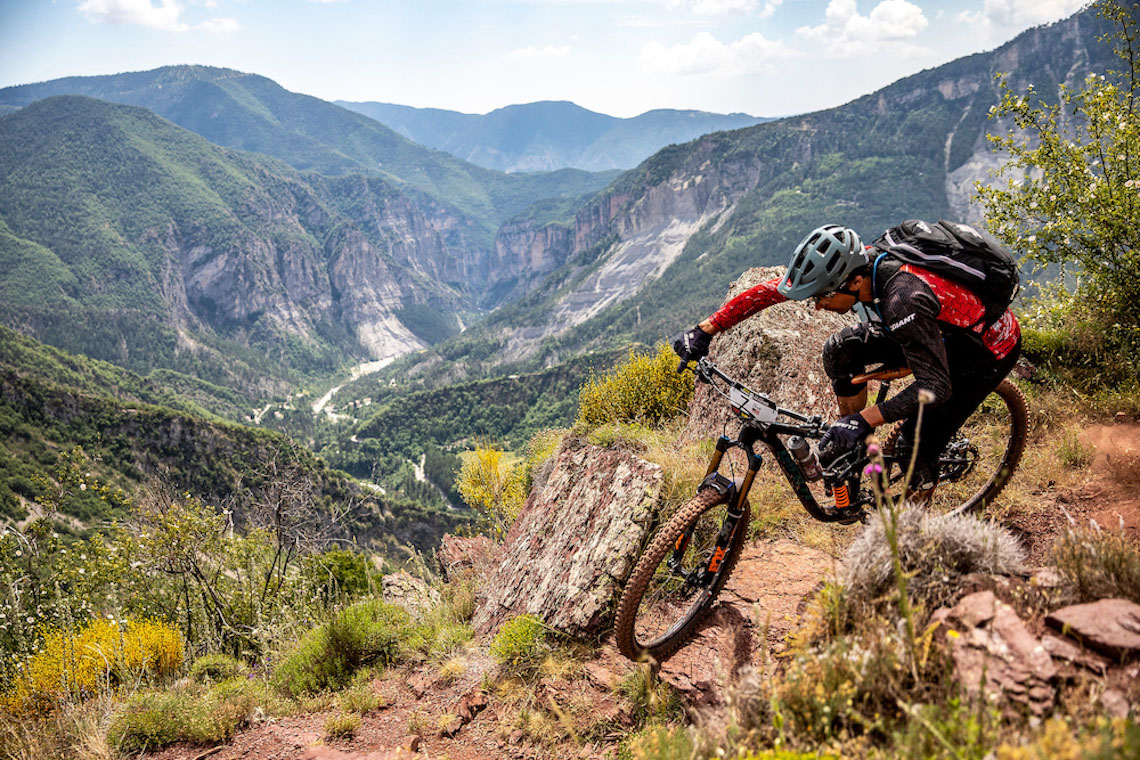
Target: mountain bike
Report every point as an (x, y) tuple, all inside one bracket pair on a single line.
[(687, 562)]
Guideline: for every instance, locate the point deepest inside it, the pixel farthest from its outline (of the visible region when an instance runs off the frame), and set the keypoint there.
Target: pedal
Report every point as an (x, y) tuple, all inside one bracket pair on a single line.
[(855, 515)]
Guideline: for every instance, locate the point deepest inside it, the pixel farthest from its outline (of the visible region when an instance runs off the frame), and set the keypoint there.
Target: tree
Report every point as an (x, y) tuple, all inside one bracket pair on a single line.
[(1072, 183)]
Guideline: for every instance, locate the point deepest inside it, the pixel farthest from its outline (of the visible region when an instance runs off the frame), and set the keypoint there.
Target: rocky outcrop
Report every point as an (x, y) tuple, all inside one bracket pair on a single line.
[(776, 352), (996, 654), (574, 543), (1110, 626), (405, 590)]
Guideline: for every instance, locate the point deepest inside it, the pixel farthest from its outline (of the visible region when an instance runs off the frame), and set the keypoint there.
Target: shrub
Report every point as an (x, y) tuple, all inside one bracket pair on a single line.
[(92, 660), (644, 388), (650, 697), (328, 656), (1098, 564), (934, 550), (492, 487), (520, 644), (152, 720), (1073, 453), (341, 725), (216, 667)]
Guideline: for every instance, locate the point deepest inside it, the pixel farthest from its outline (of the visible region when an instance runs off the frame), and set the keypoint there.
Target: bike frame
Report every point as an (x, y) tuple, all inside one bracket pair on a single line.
[(766, 429)]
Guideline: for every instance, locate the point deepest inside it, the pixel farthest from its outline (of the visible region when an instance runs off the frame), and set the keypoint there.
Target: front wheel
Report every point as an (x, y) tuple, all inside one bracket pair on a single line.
[(979, 460), (671, 590)]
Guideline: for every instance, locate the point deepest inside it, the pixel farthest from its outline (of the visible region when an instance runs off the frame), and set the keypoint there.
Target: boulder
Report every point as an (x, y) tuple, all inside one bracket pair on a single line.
[(1110, 626), (777, 352), (460, 556), (994, 651), (574, 543), (407, 591)]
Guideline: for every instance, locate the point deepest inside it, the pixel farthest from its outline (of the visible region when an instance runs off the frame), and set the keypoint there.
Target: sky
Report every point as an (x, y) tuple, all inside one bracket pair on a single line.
[(619, 57)]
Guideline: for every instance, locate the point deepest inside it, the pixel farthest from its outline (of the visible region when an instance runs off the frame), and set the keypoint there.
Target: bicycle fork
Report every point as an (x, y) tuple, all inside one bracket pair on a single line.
[(735, 496)]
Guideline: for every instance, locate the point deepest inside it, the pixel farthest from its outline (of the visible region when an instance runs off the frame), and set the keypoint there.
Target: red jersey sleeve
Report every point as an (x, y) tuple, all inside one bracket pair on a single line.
[(751, 301)]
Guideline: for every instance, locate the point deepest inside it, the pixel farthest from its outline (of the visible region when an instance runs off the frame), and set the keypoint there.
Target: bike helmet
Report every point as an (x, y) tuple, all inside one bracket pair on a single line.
[(822, 262)]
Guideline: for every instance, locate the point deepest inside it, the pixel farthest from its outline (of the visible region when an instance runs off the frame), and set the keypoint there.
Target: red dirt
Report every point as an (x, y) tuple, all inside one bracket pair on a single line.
[(1108, 497)]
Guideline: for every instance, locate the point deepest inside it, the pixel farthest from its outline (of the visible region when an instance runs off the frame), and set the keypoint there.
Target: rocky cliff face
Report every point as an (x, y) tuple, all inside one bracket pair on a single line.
[(916, 148)]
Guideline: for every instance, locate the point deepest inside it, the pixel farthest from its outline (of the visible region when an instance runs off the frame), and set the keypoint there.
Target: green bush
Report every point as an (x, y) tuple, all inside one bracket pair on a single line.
[(366, 633), (155, 719), (216, 667), (644, 388), (520, 644), (341, 725)]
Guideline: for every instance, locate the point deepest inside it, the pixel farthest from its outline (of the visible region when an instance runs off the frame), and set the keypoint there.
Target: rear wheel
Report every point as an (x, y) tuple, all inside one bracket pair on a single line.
[(667, 596), (980, 458)]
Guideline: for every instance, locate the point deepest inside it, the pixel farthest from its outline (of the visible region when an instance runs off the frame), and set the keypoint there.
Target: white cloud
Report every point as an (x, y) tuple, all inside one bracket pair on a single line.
[(164, 17), (846, 34), (141, 12), (706, 54), (531, 53), (721, 7), (1021, 12), (219, 26)]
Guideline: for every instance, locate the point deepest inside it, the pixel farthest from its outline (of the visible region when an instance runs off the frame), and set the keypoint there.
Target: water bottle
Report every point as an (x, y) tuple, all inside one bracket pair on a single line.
[(805, 457)]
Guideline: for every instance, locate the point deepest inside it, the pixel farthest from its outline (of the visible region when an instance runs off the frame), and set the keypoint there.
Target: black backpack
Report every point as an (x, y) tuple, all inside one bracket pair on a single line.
[(957, 252)]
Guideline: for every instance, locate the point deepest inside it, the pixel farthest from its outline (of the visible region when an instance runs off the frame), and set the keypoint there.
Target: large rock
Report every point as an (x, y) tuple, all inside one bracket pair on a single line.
[(405, 590), (777, 352), (993, 649), (575, 542), (465, 556), (1110, 626)]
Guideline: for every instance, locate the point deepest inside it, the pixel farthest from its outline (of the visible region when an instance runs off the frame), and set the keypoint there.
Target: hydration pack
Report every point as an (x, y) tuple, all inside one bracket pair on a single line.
[(960, 253)]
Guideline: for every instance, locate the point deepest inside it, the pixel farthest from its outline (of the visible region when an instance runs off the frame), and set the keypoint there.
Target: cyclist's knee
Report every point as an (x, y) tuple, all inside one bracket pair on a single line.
[(843, 359)]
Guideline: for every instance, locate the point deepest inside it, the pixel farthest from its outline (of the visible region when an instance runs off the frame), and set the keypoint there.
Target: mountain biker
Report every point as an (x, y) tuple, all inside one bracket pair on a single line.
[(916, 319)]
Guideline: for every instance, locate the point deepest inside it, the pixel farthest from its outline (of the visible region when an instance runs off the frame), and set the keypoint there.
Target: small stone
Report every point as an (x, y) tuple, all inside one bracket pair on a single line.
[(452, 728), (411, 743), (1115, 703), (516, 737), (1120, 417), (1063, 649), (471, 705)]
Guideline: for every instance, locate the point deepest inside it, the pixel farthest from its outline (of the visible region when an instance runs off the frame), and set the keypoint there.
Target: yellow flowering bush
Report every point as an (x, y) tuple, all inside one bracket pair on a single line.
[(100, 655), (644, 388)]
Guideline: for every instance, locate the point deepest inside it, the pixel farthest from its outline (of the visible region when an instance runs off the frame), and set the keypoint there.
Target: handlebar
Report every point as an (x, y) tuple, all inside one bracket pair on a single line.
[(707, 372)]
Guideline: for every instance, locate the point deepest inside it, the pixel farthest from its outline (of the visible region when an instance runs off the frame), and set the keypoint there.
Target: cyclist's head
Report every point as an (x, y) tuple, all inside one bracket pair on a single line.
[(823, 262)]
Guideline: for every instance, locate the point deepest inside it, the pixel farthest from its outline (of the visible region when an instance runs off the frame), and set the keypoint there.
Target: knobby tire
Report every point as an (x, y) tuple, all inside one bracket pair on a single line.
[(1014, 445), (650, 564)]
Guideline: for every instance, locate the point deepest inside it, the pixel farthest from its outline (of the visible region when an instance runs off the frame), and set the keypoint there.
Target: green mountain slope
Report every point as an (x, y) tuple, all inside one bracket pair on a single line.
[(253, 113), (132, 439), (129, 239), (549, 134)]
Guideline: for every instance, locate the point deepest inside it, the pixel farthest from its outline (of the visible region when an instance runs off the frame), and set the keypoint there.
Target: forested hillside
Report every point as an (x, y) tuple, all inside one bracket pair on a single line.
[(129, 239), (63, 415), (252, 113), (549, 135)]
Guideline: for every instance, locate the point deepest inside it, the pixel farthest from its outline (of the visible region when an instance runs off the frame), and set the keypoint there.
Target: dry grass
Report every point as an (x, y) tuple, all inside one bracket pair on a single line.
[(73, 732)]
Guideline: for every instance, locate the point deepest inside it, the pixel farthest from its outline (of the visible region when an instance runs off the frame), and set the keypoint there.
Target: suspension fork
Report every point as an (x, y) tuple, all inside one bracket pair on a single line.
[(735, 496)]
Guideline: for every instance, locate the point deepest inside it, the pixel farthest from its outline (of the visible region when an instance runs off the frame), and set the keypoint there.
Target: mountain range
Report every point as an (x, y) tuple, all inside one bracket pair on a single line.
[(549, 135), (137, 241)]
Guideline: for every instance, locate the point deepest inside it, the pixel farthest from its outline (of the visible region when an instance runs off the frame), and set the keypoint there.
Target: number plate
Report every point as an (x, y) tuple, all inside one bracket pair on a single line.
[(751, 407)]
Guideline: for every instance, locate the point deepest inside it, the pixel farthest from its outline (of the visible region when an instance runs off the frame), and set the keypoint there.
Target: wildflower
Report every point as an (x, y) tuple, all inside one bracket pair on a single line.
[(19, 553), (82, 486)]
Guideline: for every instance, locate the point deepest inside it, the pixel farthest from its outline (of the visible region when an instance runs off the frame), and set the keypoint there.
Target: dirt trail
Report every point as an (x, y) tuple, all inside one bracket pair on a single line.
[(1108, 494)]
